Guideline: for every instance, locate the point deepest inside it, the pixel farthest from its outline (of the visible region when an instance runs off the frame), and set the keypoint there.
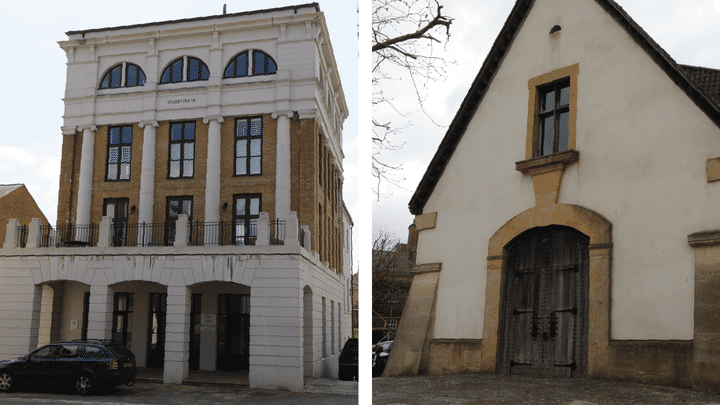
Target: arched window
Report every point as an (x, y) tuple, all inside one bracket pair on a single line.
[(239, 66), (196, 70), (114, 78), (263, 64)]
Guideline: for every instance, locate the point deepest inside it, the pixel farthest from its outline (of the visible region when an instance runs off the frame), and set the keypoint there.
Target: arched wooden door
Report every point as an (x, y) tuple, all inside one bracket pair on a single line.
[(545, 316)]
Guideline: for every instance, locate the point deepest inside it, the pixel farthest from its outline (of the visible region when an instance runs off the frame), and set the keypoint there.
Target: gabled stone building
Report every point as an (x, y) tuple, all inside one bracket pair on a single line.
[(200, 220), (568, 223)]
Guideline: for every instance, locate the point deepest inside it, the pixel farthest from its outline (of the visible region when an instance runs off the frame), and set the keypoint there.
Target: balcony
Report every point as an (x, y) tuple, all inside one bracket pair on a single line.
[(114, 233)]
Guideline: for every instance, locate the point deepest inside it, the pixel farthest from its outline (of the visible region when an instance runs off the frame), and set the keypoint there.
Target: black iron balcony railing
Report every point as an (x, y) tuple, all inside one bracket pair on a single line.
[(69, 235), (301, 236), (222, 233), (22, 235), (142, 234), (277, 232), (124, 234)]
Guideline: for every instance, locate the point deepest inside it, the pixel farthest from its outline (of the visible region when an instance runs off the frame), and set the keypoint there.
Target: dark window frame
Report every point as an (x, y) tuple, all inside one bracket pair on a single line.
[(269, 65), (141, 77), (247, 218), (170, 220), (203, 68), (185, 61), (169, 70), (233, 63), (122, 66), (248, 149), (266, 65), (126, 333), (119, 145), (120, 219), (555, 112), (181, 142)]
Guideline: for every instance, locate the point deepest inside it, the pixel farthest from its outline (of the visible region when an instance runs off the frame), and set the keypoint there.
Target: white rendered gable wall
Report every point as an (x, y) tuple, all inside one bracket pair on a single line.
[(643, 145)]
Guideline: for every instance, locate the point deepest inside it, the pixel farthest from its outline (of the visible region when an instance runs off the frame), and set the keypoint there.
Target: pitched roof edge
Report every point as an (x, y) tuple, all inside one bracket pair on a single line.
[(469, 105), (497, 53)]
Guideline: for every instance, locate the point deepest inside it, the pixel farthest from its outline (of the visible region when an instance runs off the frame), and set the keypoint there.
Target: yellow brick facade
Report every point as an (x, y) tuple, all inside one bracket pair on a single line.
[(316, 185)]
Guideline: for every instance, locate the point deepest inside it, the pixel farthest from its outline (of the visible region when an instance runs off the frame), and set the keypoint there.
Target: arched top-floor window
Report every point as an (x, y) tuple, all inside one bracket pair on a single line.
[(185, 68), (123, 75), (250, 63)]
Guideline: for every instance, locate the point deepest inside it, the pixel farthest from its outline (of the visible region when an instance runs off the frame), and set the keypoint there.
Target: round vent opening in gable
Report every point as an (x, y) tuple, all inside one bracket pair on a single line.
[(555, 29)]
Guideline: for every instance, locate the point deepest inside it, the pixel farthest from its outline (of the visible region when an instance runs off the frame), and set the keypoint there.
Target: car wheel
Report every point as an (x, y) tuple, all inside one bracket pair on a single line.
[(6, 381), (83, 384)]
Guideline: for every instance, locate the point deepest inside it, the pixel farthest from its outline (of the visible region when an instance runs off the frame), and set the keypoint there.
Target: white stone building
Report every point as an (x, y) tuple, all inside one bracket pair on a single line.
[(568, 221), (200, 219)]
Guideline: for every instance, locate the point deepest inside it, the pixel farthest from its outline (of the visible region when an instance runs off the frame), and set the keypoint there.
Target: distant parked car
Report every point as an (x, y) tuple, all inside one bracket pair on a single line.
[(84, 365), (348, 361), (381, 352)]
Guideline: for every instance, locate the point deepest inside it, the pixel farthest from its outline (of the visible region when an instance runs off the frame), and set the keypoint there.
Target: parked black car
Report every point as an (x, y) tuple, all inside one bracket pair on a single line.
[(381, 352), (348, 362), (85, 365)]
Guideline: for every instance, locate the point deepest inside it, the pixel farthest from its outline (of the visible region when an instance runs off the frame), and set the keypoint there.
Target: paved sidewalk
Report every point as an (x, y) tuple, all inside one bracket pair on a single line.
[(481, 389)]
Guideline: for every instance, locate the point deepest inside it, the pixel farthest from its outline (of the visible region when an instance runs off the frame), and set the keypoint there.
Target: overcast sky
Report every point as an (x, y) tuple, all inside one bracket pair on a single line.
[(33, 70), (688, 30)]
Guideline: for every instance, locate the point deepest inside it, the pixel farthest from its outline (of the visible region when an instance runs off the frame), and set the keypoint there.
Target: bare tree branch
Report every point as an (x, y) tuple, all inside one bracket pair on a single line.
[(404, 32)]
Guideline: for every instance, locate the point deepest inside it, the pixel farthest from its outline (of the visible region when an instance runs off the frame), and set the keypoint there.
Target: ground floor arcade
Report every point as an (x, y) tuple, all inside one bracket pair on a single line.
[(281, 317)]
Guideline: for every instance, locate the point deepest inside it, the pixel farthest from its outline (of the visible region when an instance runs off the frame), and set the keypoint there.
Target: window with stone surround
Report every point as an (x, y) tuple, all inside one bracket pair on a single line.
[(248, 146), (119, 153), (176, 72), (181, 161), (134, 76), (552, 116), (241, 66)]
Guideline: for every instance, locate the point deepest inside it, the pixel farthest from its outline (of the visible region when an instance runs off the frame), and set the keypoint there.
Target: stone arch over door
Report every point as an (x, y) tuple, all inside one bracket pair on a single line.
[(599, 231)]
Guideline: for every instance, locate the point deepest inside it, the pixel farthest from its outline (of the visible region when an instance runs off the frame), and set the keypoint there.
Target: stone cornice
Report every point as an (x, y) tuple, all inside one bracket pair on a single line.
[(426, 268)]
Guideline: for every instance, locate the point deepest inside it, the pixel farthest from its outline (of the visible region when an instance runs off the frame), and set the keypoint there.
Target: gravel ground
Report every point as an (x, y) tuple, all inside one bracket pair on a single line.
[(502, 389)]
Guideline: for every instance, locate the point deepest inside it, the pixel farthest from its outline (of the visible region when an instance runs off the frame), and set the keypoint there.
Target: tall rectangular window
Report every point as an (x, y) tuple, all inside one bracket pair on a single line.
[(248, 146), (553, 118), (119, 152), (182, 150), (245, 215)]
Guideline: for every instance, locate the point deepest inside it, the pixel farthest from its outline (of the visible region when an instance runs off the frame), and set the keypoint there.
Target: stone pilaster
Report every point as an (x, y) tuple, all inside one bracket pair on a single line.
[(85, 178), (212, 177), (147, 174), (706, 337), (415, 329), (177, 335), (100, 314), (282, 165)]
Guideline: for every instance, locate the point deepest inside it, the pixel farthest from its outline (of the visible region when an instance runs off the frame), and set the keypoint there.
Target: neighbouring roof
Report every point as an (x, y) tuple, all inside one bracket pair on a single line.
[(5, 189), (708, 80), (269, 10), (702, 85)]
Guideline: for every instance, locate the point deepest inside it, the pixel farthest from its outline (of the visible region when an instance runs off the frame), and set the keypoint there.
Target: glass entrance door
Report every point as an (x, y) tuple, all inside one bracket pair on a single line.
[(123, 318), (156, 328), (233, 332)]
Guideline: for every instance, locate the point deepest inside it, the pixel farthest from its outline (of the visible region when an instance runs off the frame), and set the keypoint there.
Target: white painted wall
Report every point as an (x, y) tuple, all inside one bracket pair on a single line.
[(643, 145)]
